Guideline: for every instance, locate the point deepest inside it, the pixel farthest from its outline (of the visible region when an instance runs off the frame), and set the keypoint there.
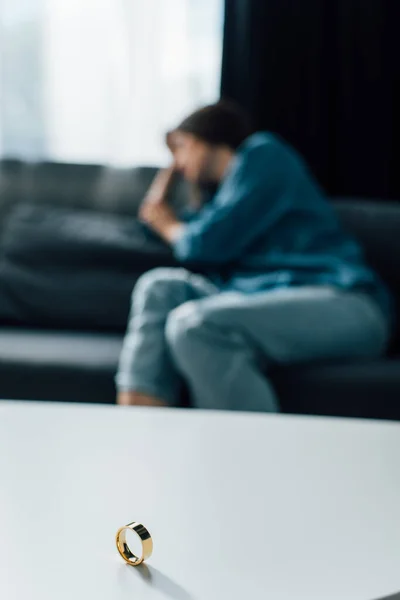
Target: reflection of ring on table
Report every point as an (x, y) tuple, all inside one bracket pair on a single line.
[(125, 551)]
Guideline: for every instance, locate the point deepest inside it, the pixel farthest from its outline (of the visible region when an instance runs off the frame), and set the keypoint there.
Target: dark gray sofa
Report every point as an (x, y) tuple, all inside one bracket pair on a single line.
[(70, 364)]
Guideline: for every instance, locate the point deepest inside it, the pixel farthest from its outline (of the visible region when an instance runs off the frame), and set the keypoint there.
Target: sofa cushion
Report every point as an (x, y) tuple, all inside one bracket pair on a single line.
[(58, 365), (368, 389), (80, 367), (70, 268)]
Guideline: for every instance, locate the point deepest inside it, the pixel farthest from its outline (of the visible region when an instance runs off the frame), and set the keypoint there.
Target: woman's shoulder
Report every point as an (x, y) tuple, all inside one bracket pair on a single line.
[(262, 140), (264, 151)]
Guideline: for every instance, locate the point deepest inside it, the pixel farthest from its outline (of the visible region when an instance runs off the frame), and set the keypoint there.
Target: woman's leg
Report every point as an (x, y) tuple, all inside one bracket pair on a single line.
[(222, 344), (146, 374)]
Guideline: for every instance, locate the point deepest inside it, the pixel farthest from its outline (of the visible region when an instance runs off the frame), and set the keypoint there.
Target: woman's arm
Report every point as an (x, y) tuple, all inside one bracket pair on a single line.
[(160, 186), (162, 182), (254, 196), (162, 219), (156, 212)]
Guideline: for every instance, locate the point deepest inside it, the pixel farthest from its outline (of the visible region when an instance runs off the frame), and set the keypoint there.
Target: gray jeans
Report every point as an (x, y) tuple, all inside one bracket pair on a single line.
[(221, 343)]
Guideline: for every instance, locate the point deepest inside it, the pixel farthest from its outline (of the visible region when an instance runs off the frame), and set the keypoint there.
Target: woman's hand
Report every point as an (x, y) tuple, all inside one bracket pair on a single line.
[(156, 212), (170, 142), (160, 217), (161, 184)]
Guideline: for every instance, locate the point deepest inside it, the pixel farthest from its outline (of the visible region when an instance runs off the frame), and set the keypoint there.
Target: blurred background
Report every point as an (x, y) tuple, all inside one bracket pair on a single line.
[(100, 81), (88, 89)]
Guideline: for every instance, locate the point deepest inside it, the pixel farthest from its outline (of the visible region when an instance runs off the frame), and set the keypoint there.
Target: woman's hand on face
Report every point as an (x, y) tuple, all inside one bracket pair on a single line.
[(169, 140), (155, 211), (160, 186)]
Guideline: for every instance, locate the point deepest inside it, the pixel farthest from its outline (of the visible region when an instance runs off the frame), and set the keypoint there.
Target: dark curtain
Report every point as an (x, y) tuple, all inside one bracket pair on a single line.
[(325, 75)]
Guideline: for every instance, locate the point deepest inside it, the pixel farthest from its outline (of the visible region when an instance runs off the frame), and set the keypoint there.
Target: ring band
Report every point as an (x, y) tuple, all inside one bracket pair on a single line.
[(125, 551)]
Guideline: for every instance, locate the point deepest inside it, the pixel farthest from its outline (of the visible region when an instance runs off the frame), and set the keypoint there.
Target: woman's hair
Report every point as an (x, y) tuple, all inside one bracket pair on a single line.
[(221, 124)]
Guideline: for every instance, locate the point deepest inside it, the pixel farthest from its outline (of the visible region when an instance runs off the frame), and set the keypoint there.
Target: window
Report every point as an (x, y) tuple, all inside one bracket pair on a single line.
[(102, 80)]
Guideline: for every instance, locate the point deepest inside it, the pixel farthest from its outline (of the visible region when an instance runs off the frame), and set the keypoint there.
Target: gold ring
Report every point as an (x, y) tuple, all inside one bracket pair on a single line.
[(125, 551)]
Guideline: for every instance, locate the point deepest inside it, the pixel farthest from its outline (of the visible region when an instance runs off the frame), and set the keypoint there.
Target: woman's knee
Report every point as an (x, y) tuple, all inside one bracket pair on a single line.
[(182, 330), (158, 284)]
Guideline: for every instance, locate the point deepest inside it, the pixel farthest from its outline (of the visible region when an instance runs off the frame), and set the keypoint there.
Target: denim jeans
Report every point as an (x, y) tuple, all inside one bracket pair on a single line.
[(182, 327)]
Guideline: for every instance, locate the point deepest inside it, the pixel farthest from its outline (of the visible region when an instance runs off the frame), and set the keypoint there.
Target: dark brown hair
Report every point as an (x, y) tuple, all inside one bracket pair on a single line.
[(221, 124)]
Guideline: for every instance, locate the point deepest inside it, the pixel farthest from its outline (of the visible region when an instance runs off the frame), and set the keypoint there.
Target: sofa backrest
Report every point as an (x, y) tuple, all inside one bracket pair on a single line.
[(115, 190), (376, 224)]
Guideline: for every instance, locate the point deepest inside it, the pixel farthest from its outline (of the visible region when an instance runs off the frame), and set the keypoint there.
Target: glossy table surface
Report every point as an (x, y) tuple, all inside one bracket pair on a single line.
[(239, 506)]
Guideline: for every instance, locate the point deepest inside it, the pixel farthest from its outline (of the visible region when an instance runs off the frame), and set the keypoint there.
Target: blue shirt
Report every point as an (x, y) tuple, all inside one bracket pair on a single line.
[(269, 226)]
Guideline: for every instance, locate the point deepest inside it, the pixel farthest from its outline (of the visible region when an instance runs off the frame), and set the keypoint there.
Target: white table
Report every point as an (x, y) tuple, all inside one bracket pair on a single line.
[(239, 506)]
